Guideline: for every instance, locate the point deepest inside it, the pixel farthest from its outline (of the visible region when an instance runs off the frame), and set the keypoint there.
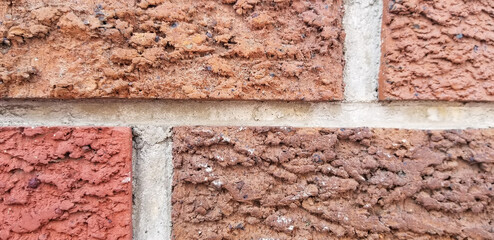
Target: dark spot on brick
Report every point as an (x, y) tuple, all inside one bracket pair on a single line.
[(5, 44), (33, 183), (391, 5), (240, 185), (316, 158), (239, 226)]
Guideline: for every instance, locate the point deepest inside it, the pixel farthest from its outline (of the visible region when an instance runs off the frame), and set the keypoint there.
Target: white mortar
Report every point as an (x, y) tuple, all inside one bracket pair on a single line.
[(152, 182), (415, 115), (362, 23)]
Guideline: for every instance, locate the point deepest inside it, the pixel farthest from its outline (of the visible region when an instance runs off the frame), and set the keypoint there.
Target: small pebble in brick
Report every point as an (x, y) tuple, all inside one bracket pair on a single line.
[(33, 183)]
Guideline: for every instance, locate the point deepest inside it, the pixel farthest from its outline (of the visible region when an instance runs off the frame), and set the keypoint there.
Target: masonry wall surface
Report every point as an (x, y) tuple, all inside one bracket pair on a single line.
[(323, 183), (151, 120)]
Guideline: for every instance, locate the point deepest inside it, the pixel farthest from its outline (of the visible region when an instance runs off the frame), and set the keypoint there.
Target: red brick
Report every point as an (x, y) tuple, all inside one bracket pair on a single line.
[(437, 50), (194, 49), (65, 183), (287, 183)]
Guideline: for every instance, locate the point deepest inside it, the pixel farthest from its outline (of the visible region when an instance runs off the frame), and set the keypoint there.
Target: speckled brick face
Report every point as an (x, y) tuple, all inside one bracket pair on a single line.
[(65, 183), (437, 50), (230, 49), (285, 183)]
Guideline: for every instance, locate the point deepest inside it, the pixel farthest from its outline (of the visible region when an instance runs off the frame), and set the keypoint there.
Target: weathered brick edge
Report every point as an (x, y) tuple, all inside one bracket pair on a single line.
[(301, 183), (65, 182), (381, 77)]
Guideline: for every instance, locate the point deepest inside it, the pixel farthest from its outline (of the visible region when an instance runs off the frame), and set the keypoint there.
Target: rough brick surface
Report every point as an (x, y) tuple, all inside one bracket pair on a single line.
[(65, 183), (291, 50), (438, 50), (284, 183)]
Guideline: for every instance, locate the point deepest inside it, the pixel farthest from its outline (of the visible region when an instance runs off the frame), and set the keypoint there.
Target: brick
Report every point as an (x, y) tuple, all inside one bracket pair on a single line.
[(275, 50), (65, 183), (311, 183), (437, 50)]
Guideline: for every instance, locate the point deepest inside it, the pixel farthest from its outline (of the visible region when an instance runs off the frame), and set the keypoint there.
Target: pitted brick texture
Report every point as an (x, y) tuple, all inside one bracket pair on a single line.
[(285, 183), (438, 50), (265, 50), (65, 183)]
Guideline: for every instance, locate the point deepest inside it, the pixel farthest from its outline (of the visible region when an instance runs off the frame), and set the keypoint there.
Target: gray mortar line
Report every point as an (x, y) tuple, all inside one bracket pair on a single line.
[(413, 115), (362, 25), (152, 182)]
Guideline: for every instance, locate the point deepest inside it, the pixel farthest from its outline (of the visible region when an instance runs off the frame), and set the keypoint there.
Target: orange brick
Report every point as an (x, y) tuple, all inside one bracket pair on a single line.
[(278, 50)]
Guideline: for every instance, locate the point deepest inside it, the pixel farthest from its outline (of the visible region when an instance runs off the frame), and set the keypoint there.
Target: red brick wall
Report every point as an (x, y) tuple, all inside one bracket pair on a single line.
[(256, 182), (65, 183)]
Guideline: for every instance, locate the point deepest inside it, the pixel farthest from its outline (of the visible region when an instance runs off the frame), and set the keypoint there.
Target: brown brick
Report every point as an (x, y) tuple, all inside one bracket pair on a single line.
[(286, 183), (65, 183), (437, 50), (193, 49)]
